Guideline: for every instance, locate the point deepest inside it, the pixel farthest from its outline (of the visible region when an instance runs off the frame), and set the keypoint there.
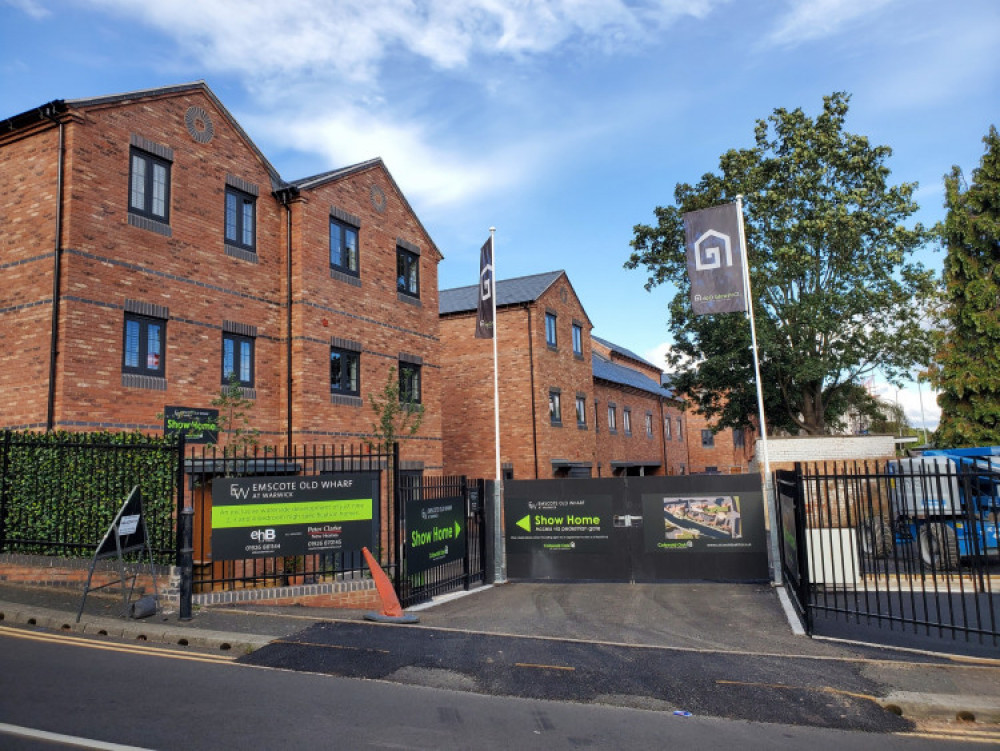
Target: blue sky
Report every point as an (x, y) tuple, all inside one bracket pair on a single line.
[(563, 124)]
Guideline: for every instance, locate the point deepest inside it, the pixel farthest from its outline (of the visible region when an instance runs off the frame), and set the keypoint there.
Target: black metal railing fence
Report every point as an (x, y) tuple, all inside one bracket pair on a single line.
[(60, 492), (904, 544), (203, 464)]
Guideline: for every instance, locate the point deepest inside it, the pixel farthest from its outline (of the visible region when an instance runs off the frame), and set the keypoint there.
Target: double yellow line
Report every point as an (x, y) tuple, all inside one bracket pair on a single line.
[(130, 647)]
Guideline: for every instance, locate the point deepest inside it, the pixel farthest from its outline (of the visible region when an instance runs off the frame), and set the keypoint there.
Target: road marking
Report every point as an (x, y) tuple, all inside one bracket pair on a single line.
[(132, 648), (816, 689), (543, 667), (331, 646), (990, 735), (69, 740)]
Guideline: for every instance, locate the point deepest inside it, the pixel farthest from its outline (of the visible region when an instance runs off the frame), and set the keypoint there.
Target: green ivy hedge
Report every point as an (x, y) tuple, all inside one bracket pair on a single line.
[(60, 491)]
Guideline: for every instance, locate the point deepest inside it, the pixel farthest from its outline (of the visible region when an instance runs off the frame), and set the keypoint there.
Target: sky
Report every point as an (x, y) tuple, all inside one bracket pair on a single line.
[(563, 124)]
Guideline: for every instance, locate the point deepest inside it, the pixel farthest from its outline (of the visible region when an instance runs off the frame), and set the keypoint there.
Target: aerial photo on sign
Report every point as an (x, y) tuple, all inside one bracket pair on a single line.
[(695, 522)]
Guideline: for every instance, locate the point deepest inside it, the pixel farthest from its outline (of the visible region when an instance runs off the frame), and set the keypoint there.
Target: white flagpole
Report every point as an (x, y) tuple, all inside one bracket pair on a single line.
[(500, 552), (768, 484)]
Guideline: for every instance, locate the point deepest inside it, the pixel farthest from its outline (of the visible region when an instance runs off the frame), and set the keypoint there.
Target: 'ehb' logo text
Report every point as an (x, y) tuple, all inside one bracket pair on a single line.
[(237, 492), (709, 249)]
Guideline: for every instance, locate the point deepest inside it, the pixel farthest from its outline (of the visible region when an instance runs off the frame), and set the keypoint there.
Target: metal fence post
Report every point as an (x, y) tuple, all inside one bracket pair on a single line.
[(398, 516), (185, 537), (467, 558), (805, 586)]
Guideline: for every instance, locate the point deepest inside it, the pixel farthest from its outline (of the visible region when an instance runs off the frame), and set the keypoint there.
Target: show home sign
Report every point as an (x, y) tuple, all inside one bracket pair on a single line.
[(435, 533), (268, 517)]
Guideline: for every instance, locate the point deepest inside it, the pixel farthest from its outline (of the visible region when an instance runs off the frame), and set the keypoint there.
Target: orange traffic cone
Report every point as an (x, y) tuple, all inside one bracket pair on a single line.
[(392, 611)]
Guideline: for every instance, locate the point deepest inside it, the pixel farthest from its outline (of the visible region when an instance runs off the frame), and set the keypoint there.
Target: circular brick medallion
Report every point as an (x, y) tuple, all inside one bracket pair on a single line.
[(199, 124)]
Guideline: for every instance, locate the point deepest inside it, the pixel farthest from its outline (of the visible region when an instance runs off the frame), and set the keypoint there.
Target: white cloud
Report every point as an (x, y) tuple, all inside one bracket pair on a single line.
[(32, 8), (427, 174), (815, 19), (350, 38)]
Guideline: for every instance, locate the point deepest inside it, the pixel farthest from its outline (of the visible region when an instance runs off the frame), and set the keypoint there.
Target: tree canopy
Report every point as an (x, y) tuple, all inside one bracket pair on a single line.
[(967, 365), (837, 296)]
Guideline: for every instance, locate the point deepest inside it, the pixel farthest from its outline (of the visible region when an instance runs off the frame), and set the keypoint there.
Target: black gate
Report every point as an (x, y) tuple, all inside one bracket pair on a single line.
[(641, 529), (902, 552), (443, 536), (791, 533)]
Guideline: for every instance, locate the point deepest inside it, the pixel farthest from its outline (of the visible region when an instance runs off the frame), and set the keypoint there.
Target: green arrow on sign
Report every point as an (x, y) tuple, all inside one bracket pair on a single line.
[(525, 523), (458, 530)]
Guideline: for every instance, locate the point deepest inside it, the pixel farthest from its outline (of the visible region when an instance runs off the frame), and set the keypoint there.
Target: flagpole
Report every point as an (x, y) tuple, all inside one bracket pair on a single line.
[(768, 484), (500, 553)]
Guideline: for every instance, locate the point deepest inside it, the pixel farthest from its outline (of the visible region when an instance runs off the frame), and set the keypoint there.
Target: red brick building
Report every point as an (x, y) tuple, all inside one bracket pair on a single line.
[(148, 250), (570, 404)]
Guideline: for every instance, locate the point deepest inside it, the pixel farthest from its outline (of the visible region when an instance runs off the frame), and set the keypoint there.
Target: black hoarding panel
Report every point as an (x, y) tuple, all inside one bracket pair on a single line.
[(564, 529), (707, 527)]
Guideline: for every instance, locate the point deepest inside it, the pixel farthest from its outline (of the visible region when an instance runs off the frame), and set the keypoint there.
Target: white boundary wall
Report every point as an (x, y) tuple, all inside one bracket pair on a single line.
[(783, 451)]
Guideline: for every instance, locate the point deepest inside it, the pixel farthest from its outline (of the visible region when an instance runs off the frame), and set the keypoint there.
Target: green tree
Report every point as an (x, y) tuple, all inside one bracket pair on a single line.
[(396, 413), (967, 365), (234, 418), (835, 296)]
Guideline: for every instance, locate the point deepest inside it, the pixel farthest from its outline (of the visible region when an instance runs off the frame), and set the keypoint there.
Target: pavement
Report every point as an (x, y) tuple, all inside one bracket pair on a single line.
[(740, 625)]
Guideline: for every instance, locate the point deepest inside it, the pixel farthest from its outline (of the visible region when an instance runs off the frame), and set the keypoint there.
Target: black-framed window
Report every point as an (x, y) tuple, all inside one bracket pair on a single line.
[(345, 372), (407, 272), (581, 411), (739, 438), (551, 338), (149, 185), (555, 407), (145, 344), (238, 358), (241, 219), (707, 439), (627, 420), (343, 247), (666, 429), (577, 340), (680, 429), (409, 382), (612, 418), (649, 424)]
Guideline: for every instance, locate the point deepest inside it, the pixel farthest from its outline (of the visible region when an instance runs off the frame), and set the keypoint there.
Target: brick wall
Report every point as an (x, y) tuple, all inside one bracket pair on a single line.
[(366, 310), (529, 370), (28, 189), (112, 262)]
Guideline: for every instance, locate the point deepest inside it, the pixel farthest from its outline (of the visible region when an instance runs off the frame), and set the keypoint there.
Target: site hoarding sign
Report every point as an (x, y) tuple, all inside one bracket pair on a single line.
[(707, 527), (575, 524), (435, 533), (271, 517), (561, 529)]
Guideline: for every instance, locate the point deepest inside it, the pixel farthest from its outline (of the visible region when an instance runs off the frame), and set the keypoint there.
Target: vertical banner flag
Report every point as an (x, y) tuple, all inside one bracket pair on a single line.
[(715, 260), (484, 319)]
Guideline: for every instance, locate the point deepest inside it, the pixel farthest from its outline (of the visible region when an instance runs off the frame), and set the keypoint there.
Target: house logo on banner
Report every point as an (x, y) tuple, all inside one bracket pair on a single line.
[(715, 271), (707, 255)]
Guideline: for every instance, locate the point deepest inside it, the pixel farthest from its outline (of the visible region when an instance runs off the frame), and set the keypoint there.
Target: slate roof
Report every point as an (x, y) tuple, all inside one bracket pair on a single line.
[(509, 292), (623, 376), (622, 351)]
